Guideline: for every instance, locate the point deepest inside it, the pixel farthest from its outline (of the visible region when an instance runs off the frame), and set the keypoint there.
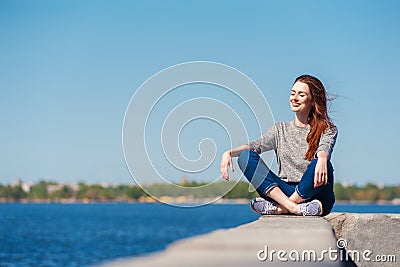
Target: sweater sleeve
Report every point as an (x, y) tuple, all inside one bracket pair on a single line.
[(266, 142), (327, 141)]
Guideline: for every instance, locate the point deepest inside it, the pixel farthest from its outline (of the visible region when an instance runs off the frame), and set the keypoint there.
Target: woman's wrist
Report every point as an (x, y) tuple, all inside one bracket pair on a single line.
[(322, 155)]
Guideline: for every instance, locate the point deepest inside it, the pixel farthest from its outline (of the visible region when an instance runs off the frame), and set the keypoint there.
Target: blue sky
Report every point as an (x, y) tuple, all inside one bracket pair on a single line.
[(68, 70)]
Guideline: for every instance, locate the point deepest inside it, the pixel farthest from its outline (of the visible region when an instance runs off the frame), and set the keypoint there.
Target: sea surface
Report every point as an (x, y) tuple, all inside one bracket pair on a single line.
[(88, 234)]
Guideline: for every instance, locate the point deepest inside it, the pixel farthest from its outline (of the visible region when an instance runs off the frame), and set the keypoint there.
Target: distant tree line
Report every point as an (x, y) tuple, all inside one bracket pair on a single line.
[(96, 192), (369, 192)]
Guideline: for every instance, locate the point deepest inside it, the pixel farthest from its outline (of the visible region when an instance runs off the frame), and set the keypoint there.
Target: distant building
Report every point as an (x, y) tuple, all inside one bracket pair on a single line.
[(74, 187), (346, 184), (16, 182), (26, 187), (184, 181), (52, 188), (105, 185)]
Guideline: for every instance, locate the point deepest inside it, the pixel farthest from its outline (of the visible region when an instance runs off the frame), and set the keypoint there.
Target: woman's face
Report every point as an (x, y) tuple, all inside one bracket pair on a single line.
[(300, 98)]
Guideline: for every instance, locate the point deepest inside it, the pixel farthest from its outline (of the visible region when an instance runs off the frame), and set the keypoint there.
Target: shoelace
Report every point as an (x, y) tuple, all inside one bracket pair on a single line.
[(267, 207), (304, 211), (309, 209)]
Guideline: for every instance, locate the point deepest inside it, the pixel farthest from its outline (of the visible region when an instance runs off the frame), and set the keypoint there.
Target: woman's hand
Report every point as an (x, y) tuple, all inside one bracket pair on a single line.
[(321, 170), (226, 162)]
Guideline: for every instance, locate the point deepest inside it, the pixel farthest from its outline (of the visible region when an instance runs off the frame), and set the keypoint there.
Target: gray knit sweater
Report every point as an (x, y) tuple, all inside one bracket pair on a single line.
[(290, 145)]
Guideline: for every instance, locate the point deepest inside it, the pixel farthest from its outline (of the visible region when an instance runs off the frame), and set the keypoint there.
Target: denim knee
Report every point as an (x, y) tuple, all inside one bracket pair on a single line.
[(305, 188)]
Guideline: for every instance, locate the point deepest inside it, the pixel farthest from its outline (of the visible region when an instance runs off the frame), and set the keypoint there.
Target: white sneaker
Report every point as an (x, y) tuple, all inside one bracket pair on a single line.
[(262, 206), (312, 208)]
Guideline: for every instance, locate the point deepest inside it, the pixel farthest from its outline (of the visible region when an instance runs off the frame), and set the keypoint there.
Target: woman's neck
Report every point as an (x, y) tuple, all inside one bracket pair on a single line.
[(301, 120)]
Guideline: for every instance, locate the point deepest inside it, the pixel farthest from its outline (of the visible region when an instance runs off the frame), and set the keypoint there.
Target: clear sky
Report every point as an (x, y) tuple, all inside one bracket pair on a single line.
[(68, 70)]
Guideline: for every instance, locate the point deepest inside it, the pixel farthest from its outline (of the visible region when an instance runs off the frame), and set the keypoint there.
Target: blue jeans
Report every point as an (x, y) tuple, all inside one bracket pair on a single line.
[(263, 179)]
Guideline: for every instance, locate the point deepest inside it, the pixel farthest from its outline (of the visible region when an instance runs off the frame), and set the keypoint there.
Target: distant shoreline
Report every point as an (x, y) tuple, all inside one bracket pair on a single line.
[(193, 202), (49, 192)]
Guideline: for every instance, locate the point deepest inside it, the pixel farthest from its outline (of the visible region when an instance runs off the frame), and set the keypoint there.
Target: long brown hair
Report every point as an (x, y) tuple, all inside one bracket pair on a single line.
[(318, 117)]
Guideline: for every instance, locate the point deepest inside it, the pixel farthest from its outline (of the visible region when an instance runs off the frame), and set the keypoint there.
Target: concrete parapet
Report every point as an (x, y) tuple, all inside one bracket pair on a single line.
[(370, 239), (249, 245)]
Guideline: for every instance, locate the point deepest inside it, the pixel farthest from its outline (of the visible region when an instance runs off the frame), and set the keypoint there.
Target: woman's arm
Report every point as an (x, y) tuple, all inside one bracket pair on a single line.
[(226, 160), (264, 143), (321, 169), (327, 141), (324, 151)]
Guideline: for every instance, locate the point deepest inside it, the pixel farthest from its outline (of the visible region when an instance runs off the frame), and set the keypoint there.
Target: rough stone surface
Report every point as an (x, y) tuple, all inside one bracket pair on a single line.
[(239, 246), (378, 233)]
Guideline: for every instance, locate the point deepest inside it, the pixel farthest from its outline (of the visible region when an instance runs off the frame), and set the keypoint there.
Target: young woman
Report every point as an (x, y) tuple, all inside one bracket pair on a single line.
[(304, 184)]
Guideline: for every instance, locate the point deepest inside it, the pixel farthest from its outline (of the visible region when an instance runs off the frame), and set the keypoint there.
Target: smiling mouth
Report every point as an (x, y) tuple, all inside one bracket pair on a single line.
[(295, 104)]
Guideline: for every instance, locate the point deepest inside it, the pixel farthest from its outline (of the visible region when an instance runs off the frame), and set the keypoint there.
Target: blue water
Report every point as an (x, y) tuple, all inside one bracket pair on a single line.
[(82, 235), (366, 208)]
